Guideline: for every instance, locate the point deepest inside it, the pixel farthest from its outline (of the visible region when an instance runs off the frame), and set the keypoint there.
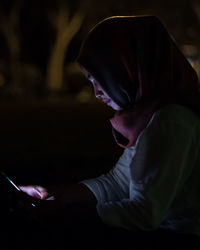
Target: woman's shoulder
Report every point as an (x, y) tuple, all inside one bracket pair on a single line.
[(176, 113)]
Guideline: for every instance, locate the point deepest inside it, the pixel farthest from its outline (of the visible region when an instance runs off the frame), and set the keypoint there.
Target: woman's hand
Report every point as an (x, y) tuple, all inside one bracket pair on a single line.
[(73, 202), (31, 202), (37, 192)]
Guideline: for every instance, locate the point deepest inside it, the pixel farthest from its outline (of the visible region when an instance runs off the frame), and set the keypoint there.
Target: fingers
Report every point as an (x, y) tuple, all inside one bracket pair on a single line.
[(42, 192), (35, 191)]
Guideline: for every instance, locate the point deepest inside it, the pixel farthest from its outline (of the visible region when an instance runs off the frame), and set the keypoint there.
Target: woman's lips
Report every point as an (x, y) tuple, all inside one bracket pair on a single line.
[(106, 101)]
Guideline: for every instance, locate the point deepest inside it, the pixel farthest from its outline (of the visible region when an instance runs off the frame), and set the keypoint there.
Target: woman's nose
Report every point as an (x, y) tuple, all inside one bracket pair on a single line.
[(97, 92)]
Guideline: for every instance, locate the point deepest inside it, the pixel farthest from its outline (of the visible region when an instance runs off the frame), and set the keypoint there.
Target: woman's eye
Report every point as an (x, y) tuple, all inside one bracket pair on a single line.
[(91, 79)]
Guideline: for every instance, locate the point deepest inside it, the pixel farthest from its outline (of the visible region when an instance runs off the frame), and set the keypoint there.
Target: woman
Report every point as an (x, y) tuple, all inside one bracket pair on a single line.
[(136, 68)]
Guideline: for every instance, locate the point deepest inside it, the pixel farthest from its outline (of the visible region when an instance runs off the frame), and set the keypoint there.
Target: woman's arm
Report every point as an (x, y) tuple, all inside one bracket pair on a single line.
[(165, 156), (73, 203), (114, 185)]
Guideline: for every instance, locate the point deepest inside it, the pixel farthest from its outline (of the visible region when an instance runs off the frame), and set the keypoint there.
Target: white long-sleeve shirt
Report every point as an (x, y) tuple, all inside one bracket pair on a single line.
[(156, 183)]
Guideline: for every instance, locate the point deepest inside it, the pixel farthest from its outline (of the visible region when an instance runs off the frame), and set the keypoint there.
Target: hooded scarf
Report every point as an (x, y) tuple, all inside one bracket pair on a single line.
[(139, 66)]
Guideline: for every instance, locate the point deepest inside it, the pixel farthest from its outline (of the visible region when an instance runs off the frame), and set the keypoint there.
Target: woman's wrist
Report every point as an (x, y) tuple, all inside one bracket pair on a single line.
[(73, 194)]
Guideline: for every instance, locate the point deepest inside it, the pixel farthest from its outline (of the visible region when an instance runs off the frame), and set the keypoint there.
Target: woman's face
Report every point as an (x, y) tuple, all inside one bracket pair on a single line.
[(100, 93)]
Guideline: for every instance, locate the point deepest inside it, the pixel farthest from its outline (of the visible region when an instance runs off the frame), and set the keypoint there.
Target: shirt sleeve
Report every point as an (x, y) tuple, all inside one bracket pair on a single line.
[(162, 162), (114, 185)]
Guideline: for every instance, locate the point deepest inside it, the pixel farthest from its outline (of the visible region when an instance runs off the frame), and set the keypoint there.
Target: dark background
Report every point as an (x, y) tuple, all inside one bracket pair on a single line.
[(52, 132), (57, 132)]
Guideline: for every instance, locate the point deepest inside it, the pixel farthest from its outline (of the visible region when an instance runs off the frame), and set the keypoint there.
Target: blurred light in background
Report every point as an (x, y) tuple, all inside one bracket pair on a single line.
[(193, 55), (39, 42)]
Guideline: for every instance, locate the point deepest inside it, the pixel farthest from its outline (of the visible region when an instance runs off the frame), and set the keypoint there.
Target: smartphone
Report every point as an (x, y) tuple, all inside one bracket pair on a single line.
[(9, 182), (12, 186)]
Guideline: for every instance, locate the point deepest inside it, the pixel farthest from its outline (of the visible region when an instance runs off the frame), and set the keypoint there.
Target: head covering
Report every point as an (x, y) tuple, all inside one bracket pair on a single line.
[(139, 66)]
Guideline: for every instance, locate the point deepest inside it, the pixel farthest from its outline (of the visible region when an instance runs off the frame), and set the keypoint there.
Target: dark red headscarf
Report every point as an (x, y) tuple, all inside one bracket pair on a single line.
[(141, 69)]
